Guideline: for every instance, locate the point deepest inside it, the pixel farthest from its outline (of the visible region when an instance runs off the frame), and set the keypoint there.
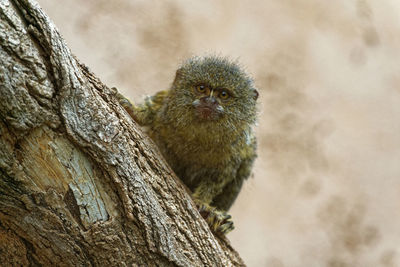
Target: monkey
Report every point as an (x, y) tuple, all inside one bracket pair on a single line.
[(203, 126)]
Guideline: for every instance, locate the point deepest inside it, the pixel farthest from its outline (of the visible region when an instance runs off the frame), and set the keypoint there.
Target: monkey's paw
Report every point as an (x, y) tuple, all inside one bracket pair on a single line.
[(219, 221)]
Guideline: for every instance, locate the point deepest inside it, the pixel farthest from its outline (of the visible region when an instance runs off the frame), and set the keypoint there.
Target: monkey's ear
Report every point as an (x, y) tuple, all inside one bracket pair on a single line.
[(255, 94), (178, 75)]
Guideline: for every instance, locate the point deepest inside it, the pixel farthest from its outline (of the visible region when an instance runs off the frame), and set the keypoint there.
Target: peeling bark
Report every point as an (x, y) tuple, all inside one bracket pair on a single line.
[(80, 184)]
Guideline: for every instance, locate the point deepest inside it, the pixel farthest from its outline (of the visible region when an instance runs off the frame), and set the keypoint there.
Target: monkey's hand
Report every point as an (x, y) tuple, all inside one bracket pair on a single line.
[(145, 113), (219, 221)]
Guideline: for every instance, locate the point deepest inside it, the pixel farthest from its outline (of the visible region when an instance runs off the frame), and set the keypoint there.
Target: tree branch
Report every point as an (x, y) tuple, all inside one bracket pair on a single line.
[(80, 184)]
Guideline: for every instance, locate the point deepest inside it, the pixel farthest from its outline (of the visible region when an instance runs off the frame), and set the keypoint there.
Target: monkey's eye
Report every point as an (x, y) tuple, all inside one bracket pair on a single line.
[(223, 94), (201, 88)]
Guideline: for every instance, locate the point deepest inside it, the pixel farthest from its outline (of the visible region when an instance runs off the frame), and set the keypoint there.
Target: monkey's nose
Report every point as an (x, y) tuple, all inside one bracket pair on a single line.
[(209, 100)]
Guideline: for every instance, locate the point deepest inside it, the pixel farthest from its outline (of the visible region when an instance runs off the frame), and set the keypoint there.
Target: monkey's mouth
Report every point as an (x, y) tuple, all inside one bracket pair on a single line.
[(207, 110), (206, 113)]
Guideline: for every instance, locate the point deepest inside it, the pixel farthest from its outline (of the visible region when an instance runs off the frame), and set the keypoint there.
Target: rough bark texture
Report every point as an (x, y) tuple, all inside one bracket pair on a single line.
[(80, 184)]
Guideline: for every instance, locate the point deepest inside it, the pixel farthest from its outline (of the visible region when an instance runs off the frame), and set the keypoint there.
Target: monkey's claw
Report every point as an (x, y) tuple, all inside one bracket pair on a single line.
[(219, 221)]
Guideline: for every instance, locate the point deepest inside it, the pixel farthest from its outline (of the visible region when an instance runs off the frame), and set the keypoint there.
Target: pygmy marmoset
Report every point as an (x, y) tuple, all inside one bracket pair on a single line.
[(203, 127)]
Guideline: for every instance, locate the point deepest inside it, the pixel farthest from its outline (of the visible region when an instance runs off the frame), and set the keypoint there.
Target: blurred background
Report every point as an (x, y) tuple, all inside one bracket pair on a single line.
[(326, 184)]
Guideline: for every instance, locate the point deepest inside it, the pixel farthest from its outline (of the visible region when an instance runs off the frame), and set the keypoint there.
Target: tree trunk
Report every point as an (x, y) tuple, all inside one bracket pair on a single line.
[(80, 184)]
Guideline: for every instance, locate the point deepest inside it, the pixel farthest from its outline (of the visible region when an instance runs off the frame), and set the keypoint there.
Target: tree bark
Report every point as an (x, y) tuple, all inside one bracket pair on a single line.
[(80, 184)]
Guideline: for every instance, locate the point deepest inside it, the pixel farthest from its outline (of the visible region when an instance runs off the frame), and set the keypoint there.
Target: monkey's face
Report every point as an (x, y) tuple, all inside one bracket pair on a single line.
[(207, 105), (213, 89)]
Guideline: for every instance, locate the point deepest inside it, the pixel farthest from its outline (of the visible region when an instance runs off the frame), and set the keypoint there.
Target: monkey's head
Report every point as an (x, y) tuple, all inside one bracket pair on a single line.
[(213, 89)]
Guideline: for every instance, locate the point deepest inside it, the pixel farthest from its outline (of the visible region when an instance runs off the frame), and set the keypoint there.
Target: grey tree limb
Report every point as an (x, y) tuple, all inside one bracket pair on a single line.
[(80, 184)]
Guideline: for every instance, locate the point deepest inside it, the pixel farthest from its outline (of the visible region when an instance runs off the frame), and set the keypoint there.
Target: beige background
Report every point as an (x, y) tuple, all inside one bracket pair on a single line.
[(326, 188)]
